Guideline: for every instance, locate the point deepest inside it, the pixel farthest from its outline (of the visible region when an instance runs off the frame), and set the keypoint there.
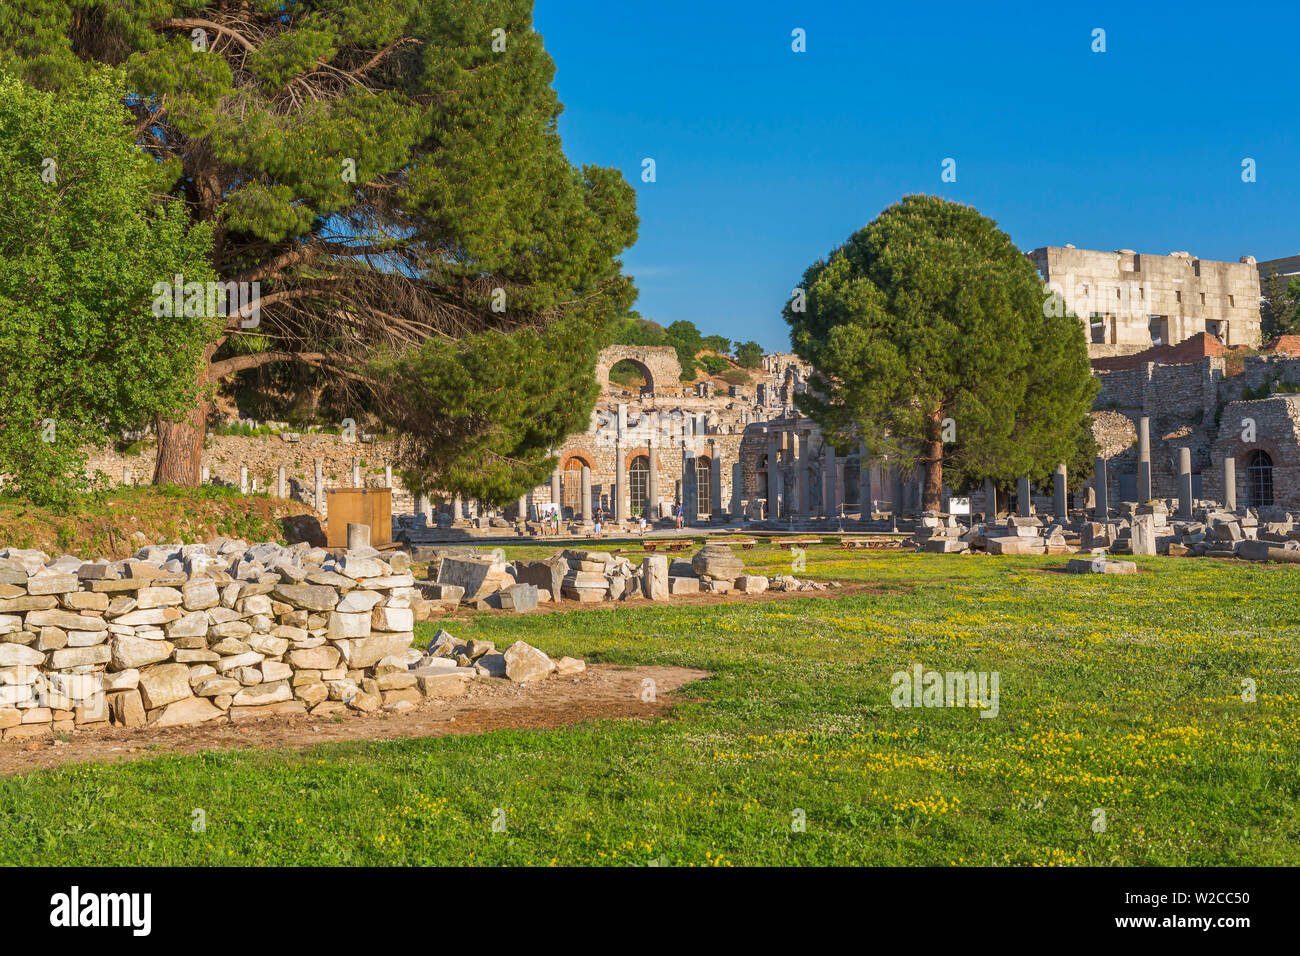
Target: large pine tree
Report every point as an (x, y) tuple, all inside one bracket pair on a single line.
[(390, 173), (930, 313)]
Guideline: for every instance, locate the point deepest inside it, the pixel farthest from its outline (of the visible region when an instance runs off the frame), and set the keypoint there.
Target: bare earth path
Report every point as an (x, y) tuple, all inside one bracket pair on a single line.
[(604, 691)]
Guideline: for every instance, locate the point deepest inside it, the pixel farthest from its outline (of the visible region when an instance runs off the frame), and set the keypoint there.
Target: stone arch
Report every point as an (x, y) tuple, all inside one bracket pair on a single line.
[(658, 363)]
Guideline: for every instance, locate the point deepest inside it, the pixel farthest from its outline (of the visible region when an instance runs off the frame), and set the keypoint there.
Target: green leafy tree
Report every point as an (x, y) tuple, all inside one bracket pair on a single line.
[(391, 176), (1280, 308), (749, 354), (929, 324), (85, 232), (717, 343), (635, 330), (713, 364), (686, 339)]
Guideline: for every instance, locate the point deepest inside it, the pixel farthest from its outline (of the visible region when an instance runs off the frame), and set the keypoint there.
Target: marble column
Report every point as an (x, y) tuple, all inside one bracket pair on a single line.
[(1184, 482), (803, 472), (716, 512), (830, 485), (281, 488), (458, 504), (864, 484), (620, 482), (773, 474), (585, 490), (1024, 501), (737, 491), (1230, 483), (1144, 460), (1102, 510), (652, 482), (243, 479), (690, 481), (1060, 504), (356, 473), (990, 500), (522, 511), (557, 492), (318, 490)]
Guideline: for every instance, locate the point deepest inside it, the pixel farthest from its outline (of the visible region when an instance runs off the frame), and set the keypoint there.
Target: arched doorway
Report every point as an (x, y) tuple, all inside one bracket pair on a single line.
[(638, 483), (571, 488), (1259, 479), (703, 487)]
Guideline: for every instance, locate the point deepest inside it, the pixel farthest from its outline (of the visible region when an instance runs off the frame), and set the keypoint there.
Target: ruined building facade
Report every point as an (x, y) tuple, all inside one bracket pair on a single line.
[(1130, 301)]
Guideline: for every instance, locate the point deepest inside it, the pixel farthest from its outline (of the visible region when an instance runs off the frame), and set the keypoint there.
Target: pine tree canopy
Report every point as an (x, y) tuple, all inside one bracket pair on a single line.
[(930, 317), (391, 174)]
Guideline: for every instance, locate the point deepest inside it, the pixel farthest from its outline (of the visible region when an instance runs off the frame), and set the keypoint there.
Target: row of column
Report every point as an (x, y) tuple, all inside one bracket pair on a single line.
[(621, 504), (801, 462), (1184, 480)]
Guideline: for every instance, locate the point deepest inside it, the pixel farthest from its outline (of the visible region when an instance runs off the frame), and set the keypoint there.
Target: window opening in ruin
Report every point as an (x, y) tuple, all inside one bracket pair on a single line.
[(1159, 327), (1218, 329), (1259, 473), (1098, 327), (639, 484), (703, 487)]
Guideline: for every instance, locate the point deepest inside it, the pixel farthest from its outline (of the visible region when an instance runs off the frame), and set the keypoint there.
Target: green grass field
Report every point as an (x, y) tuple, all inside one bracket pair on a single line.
[(1117, 694)]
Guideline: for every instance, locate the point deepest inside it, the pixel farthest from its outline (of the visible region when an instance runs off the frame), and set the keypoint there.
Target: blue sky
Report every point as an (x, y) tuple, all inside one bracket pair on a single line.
[(767, 159)]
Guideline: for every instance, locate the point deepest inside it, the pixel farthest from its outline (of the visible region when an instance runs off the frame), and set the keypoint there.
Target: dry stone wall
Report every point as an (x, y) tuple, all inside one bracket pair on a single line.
[(185, 634)]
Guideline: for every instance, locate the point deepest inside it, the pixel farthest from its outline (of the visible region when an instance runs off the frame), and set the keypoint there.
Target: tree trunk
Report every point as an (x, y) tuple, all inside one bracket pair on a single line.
[(932, 493), (180, 442)]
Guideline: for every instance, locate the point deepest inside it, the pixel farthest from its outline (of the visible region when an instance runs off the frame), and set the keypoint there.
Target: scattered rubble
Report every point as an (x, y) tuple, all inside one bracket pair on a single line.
[(1266, 534)]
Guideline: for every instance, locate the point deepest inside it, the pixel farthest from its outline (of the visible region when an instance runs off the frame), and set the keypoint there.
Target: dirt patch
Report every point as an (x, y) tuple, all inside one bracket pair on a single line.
[(604, 691)]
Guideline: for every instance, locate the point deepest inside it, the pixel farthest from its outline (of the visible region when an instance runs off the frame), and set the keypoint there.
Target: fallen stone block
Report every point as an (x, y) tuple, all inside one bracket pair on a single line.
[(526, 663), (519, 598)]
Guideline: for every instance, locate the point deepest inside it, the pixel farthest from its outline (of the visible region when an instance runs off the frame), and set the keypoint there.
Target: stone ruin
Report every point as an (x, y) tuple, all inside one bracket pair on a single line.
[(486, 581), (1266, 534), (185, 634)]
